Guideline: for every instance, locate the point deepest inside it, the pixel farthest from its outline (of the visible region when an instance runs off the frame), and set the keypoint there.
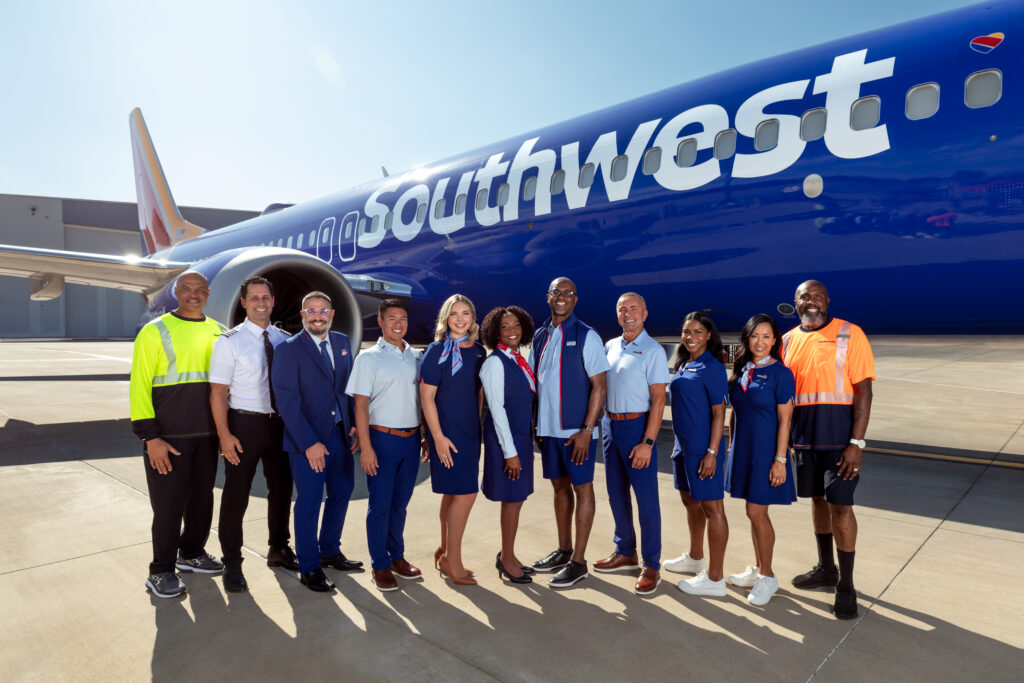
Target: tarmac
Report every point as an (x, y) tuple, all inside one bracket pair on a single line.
[(941, 543)]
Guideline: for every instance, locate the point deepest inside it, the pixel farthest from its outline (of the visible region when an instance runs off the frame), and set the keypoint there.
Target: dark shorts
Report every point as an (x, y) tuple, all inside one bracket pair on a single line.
[(556, 461), (817, 475)]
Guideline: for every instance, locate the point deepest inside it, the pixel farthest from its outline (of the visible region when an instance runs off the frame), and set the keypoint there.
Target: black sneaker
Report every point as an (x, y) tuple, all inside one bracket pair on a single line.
[(554, 561), (569, 574), (203, 564), (165, 585), (234, 580), (818, 577), (846, 605), (282, 557)]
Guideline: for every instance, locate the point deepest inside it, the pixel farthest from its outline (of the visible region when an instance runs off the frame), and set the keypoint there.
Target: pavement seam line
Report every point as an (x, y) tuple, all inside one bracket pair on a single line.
[(910, 559), (70, 559)]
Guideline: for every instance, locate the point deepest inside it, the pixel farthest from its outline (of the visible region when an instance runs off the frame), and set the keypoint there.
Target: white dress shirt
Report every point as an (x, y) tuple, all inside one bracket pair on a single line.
[(239, 360)]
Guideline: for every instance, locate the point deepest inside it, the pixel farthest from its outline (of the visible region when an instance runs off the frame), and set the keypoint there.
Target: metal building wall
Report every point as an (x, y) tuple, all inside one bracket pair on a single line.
[(96, 311), (31, 222)]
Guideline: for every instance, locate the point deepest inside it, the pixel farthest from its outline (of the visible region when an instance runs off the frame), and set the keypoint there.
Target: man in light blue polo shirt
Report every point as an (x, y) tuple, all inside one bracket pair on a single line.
[(387, 414), (634, 409), (568, 361)]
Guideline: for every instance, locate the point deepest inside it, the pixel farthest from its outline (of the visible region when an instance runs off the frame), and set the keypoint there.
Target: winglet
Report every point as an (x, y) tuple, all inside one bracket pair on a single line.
[(161, 223)]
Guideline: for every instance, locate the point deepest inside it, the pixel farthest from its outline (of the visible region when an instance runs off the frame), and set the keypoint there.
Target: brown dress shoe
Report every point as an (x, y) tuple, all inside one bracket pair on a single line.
[(384, 580), (403, 569), (648, 581), (616, 562)]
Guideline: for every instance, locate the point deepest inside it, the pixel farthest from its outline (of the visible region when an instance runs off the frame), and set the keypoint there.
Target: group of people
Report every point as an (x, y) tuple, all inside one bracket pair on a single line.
[(307, 406)]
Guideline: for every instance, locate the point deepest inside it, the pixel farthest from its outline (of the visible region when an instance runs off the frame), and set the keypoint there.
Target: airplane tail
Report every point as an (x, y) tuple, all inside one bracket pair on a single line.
[(160, 221)]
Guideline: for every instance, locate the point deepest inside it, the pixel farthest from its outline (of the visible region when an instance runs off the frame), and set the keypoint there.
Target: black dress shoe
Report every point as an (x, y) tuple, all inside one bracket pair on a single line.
[(818, 577), (554, 561), (234, 580), (846, 604), (282, 557), (317, 581), (341, 563)]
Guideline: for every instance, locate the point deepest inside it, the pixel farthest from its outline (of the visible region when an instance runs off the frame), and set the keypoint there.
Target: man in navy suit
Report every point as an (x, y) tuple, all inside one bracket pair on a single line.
[(309, 374)]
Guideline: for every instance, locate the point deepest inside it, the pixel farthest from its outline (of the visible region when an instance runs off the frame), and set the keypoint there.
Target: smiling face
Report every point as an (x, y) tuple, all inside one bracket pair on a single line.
[(192, 290), (760, 342), (511, 332), (562, 299), (317, 316), (811, 302), (258, 303), (394, 323), (695, 338), (460, 319), (631, 313)]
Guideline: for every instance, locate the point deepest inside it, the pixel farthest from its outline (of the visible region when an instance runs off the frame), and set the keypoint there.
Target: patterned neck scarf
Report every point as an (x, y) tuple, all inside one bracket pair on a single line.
[(523, 365), (748, 371), (451, 347)]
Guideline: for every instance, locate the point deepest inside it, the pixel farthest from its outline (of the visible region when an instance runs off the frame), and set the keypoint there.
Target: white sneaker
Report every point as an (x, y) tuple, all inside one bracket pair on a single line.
[(702, 585), (744, 579), (684, 564), (763, 590)]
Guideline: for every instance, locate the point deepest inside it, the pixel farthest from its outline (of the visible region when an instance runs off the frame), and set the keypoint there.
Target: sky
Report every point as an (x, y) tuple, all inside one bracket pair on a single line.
[(256, 102)]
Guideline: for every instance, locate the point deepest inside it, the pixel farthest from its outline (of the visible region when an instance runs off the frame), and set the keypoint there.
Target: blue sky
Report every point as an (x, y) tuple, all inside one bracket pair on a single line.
[(255, 102)]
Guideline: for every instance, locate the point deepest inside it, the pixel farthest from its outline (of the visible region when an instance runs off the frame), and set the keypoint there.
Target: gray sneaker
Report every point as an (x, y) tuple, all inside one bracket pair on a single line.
[(165, 585), (203, 564)]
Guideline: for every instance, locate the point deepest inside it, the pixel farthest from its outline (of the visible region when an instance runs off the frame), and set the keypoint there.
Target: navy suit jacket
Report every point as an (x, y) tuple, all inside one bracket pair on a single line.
[(305, 395)]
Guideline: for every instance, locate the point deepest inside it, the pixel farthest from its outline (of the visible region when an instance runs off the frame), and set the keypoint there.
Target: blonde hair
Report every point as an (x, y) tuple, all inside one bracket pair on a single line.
[(441, 330)]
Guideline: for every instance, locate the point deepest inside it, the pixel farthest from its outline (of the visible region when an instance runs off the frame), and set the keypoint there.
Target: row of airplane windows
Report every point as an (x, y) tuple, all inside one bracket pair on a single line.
[(981, 89)]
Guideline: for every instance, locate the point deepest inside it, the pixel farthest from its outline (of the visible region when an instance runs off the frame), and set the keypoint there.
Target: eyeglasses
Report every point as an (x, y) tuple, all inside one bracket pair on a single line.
[(561, 293), (314, 311)]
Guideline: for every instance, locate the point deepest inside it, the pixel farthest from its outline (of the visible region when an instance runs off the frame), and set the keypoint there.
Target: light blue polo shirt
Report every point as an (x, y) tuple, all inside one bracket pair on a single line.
[(633, 368), (548, 371), (390, 377)]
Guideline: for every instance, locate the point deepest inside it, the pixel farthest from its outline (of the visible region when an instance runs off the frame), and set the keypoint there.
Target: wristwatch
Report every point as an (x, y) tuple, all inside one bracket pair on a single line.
[(781, 459), (859, 443), (648, 441), (587, 428), (712, 451)]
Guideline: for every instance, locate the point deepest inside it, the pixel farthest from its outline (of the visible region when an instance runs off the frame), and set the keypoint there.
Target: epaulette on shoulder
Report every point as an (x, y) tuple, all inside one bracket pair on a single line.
[(228, 333)]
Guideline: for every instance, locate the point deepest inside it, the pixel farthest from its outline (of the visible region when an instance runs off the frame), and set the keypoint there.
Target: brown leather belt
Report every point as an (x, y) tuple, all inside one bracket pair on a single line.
[(405, 433), (618, 417)]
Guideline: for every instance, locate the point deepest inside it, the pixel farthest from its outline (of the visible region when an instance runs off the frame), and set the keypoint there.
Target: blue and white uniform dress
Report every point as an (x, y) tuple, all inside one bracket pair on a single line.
[(755, 398), (696, 387), (508, 425), (455, 373)]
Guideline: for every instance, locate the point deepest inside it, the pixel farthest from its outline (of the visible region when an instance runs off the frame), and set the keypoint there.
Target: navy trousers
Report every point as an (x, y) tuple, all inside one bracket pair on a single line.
[(619, 438), (398, 462)]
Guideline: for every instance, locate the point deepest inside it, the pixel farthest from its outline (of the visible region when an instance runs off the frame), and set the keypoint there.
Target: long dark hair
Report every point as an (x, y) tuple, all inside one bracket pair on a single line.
[(743, 355), (714, 340)]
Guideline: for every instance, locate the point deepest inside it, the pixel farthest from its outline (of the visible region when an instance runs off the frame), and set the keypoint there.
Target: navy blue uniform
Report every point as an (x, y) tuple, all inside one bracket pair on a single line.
[(519, 405), (696, 387)]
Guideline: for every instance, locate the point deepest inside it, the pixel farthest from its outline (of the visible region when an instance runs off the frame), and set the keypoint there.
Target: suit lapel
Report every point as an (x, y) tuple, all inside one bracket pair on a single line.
[(313, 349)]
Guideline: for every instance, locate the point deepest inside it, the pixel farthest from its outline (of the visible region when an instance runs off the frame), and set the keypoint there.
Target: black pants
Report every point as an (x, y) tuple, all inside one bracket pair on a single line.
[(261, 440), (184, 493)]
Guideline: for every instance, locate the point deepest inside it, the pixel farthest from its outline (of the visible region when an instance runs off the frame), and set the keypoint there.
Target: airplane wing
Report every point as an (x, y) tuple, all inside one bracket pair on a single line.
[(49, 269)]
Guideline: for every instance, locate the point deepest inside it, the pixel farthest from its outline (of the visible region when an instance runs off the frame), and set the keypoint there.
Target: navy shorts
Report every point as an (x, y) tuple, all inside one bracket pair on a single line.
[(556, 459), (817, 474), (684, 472)]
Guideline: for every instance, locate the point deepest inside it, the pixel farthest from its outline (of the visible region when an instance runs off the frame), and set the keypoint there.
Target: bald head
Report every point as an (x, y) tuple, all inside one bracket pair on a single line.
[(811, 300), (561, 299), (191, 289)]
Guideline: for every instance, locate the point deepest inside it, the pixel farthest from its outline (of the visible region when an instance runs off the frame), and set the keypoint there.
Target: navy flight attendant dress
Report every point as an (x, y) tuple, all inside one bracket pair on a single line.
[(518, 410), (754, 443), (698, 386), (457, 411)]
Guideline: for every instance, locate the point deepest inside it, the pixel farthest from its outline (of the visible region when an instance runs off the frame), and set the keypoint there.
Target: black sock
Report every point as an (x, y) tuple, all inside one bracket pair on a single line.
[(825, 551), (845, 570)]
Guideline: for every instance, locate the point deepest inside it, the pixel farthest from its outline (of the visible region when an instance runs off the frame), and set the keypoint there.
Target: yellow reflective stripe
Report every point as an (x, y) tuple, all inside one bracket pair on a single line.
[(165, 341), (824, 397), (181, 377), (842, 343), (785, 343), (172, 376)]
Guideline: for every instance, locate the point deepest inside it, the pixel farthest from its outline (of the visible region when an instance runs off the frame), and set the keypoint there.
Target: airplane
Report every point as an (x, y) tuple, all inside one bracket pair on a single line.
[(887, 165)]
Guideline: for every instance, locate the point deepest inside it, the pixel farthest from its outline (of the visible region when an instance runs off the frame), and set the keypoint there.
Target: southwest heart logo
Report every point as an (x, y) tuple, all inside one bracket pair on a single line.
[(985, 44)]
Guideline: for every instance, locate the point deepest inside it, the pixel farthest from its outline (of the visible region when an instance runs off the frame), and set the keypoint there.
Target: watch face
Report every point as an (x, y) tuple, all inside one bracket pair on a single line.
[(649, 442)]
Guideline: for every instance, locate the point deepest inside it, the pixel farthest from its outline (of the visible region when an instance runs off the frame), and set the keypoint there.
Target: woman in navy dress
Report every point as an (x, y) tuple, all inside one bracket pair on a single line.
[(698, 391), (450, 395), (761, 393), (511, 390)]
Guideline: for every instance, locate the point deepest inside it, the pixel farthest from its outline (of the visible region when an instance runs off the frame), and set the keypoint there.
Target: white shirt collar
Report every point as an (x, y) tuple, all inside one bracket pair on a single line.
[(253, 328), (387, 346)]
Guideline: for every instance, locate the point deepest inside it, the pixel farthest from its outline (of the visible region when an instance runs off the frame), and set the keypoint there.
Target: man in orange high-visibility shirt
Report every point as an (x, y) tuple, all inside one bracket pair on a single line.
[(833, 366)]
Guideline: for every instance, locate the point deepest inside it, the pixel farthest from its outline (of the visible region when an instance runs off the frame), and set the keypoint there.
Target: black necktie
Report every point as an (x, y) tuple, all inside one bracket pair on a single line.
[(268, 350)]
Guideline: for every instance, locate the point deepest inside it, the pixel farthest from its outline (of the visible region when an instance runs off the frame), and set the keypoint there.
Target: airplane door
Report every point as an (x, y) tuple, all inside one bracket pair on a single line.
[(347, 236), (323, 240)]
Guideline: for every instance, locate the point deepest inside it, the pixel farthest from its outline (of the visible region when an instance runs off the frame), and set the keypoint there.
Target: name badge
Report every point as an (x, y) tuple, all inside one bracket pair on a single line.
[(344, 353), (638, 353), (572, 343)]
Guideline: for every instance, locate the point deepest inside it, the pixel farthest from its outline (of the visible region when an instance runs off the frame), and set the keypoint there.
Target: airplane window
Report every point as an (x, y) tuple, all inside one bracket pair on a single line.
[(503, 194), (362, 226), (421, 213), (280, 242), (298, 243), (766, 135), (529, 189), (481, 200), (439, 207), (460, 204), (922, 101), (725, 144), (557, 182), (586, 176), (619, 167), (374, 223), (686, 153), (865, 112), (289, 245), (327, 236), (348, 230), (983, 88), (389, 218), (812, 124), (652, 161), (312, 238)]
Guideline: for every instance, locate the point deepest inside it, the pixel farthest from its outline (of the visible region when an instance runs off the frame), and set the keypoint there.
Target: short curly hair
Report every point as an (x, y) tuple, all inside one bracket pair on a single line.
[(490, 328)]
